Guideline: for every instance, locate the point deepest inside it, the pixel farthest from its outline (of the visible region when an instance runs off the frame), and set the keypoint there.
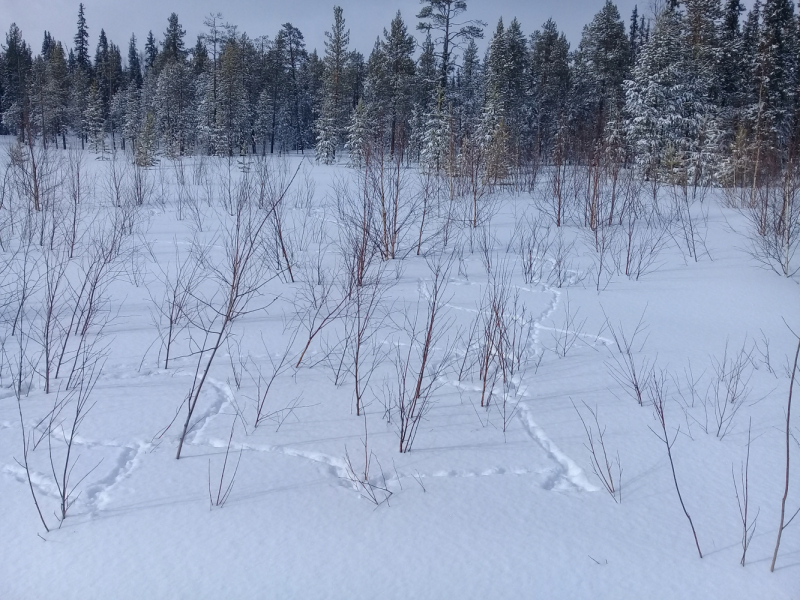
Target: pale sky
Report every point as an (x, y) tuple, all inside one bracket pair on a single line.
[(365, 18)]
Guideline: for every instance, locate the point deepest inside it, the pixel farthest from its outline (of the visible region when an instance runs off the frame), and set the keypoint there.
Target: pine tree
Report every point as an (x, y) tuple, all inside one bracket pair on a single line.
[(172, 49), (442, 17), (294, 55)]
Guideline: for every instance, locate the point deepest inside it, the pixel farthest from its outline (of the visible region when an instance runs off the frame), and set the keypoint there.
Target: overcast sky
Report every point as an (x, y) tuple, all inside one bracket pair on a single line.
[(365, 18)]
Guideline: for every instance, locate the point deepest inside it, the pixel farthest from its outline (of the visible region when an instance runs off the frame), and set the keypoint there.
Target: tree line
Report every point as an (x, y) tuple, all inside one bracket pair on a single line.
[(702, 91)]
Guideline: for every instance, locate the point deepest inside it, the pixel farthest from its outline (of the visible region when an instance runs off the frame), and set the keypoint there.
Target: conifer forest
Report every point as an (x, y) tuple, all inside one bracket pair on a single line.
[(477, 312)]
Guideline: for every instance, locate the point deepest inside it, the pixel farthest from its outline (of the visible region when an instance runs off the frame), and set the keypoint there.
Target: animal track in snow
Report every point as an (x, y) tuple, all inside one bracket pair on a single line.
[(568, 471)]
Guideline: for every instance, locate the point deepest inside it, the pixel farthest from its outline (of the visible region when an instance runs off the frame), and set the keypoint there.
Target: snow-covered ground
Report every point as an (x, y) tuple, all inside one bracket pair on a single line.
[(497, 502)]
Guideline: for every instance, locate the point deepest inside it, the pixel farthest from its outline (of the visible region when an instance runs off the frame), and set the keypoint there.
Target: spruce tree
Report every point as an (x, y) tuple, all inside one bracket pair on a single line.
[(468, 94), (150, 52), (397, 48), (359, 132), (56, 93), (134, 66), (94, 122), (657, 123), (334, 117), (602, 64), (200, 61), (548, 84), (633, 35), (17, 66), (82, 41), (775, 72), (425, 95)]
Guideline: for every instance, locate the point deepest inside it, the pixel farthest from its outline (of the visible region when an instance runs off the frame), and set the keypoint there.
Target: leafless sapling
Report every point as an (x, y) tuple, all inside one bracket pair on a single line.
[(783, 523), (362, 322), (534, 240), (570, 332), (608, 470), (240, 278), (374, 489), (743, 500), (171, 313), (658, 397), (264, 383), (79, 399), (224, 488), (417, 369), (320, 304), (18, 367), (631, 374)]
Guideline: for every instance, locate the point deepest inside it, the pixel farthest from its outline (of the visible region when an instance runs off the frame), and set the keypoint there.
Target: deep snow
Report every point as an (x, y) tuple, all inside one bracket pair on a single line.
[(475, 512)]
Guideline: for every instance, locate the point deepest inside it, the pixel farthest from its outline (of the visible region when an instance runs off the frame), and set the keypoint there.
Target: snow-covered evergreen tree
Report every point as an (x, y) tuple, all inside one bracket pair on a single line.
[(438, 136), (358, 133), (94, 123), (334, 114), (548, 85), (602, 64), (657, 125)]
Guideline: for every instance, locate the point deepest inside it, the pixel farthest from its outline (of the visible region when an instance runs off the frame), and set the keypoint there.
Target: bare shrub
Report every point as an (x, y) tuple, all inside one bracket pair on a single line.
[(726, 391), (658, 392), (374, 489), (608, 470), (563, 271), (774, 217), (691, 219), (239, 279), (172, 312), (534, 239), (264, 383), (417, 370), (565, 337), (644, 235), (631, 374), (224, 487)]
